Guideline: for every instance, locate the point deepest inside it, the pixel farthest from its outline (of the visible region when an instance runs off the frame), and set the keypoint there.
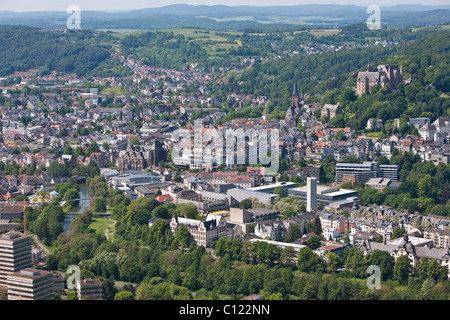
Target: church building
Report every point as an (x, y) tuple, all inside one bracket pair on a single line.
[(140, 157)]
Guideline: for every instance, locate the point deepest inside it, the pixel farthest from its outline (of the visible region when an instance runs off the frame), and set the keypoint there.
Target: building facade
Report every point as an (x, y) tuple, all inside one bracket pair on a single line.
[(15, 254), (357, 172), (30, 284), (91, 288), (141, 157), (384, 75), (211, 229)]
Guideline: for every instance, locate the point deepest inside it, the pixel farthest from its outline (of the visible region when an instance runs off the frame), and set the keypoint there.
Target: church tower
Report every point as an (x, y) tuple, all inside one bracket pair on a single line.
[(293, 111)]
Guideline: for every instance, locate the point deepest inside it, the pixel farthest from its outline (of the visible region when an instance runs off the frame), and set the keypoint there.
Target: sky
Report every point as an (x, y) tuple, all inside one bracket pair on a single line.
[(116, 5)]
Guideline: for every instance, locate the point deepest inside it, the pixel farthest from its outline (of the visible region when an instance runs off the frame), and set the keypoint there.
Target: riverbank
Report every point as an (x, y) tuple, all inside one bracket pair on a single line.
[(79, 208)]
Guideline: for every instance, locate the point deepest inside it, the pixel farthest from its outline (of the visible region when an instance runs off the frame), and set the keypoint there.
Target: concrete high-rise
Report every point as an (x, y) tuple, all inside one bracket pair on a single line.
[(30, 284), (15, 254), (311, 196), (91, 288)]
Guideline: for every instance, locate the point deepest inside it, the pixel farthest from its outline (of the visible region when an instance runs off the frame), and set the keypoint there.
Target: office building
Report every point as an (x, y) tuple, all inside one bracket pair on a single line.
[(324, 194), (91, 288), (357, 172), (30, 284), (59, 283), (15, 254)]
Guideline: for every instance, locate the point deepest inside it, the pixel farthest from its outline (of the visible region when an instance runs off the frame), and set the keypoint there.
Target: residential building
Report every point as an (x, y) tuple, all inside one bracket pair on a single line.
[(331, 246), (373, 123), (406, 247), (329, 111), (273, 230), (418, 122), (441, 238), (332, 221)]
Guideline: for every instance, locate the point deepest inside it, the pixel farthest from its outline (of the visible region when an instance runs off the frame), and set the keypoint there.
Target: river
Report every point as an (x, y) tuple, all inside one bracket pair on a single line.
[(82, 204)]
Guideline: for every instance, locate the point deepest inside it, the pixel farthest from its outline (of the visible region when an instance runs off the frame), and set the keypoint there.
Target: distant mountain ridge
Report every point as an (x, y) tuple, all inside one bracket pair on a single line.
[(222, 17)]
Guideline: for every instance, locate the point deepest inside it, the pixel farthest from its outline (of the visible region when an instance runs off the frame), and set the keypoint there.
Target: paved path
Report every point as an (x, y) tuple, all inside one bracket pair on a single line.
[(107, 229), (40, 245)]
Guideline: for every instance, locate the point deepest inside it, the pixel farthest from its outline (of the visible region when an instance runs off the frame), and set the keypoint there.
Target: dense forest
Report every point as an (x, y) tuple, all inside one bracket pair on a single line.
[(23, 48), (315, 74), (228, 49)]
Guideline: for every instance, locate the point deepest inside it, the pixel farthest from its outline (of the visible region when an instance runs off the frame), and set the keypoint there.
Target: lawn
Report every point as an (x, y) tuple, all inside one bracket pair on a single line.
[(376, 134), (100, 224)]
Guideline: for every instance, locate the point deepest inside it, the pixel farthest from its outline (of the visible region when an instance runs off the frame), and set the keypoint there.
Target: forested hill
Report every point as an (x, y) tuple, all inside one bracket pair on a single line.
[(23, 48), (332, 76)]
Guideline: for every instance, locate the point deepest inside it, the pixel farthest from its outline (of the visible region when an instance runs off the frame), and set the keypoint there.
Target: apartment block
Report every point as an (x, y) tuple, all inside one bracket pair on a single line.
[(441, 238)]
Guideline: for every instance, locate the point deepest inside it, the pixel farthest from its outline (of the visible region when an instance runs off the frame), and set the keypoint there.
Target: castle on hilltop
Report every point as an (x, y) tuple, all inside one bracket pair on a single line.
[(382, 76)]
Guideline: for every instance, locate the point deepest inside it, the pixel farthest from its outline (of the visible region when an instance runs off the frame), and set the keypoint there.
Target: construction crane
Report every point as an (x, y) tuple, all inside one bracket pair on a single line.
[(24, 217)]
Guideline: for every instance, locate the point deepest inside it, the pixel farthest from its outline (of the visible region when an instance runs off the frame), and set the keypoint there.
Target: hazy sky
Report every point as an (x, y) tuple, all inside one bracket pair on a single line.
[(108, 5)]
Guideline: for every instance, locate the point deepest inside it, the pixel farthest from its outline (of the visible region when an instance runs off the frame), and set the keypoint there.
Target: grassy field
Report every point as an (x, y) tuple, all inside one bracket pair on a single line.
[(324, 32), (374, 134), (320, 32), (100, 224), (443, 27)]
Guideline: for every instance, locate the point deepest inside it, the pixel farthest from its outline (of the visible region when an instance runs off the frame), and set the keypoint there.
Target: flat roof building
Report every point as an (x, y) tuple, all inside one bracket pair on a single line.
[(357, 172), (381, 183), (239, 194), (91, 288), (59, 282), (30, 284), (15, 254), (11, 210), (324, 194), (271, 187)]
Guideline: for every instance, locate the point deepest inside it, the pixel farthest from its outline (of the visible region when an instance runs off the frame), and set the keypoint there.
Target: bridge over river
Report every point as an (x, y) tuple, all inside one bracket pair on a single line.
[(107, 214)]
